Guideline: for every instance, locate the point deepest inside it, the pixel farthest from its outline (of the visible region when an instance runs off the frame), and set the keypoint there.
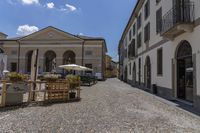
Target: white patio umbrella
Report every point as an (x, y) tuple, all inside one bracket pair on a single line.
[(5, 71), (86, 68), (75, 67)]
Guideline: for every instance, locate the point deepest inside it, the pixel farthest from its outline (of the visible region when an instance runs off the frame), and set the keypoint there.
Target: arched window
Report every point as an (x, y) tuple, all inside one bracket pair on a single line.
[(28, 61), (184, 50), (69, 57), (50, 61)]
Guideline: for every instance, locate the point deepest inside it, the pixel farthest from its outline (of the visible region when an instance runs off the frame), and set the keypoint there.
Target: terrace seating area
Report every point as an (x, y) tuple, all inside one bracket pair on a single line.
[(20, 90), (88, 80)]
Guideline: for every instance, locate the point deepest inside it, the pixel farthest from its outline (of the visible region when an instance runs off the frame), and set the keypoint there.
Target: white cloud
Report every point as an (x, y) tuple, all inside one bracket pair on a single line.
[(50, 5), (68, 8), (29, 2), (81, 34), (26, 29), (71, 7), (63, 9)]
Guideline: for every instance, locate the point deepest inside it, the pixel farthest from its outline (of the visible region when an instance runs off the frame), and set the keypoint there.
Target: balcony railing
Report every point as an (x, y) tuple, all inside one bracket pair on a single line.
[(180, 14)]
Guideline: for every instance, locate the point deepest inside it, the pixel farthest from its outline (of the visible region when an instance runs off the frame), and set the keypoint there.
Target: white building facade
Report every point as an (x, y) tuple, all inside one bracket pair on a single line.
[(160, 49)]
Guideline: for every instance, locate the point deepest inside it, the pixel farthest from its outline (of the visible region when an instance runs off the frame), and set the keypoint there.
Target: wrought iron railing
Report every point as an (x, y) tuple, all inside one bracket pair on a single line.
[(180, 14)]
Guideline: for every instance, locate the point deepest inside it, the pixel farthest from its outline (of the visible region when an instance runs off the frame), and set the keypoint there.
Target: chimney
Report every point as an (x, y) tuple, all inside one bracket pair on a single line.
[(3, 36)]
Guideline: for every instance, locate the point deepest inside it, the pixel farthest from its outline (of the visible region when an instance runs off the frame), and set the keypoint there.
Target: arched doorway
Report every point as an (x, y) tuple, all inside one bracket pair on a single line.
[(125, 74), (184, 71), (69, 57), (139, 72), (134, 74), (147, 73), (50, 61), (28, 61)]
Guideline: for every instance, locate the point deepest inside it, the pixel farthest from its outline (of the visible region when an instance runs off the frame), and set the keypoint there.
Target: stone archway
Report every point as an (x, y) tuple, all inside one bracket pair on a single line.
[(50, 61), (184, 71), (147, 72), (69, 57)]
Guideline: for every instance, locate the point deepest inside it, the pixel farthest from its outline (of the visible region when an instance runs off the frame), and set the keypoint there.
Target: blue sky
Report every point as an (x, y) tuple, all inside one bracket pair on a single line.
[(101, 18)]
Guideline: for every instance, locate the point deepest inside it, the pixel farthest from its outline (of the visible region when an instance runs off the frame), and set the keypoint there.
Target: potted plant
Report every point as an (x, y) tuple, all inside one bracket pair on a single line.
[(15, 90), (50, 77), (74, 82), (16, 77)]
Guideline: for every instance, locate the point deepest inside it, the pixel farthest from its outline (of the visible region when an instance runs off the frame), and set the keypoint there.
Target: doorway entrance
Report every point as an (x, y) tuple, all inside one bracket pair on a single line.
[(134, 74), (125, 74), (147, 71), (185, 72)]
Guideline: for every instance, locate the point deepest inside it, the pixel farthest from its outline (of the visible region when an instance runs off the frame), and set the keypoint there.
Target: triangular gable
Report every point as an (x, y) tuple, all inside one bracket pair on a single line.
[(51, 33)]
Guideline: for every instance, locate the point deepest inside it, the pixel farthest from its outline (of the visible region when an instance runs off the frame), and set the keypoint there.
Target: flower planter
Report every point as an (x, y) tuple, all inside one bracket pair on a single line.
[(14, 93)]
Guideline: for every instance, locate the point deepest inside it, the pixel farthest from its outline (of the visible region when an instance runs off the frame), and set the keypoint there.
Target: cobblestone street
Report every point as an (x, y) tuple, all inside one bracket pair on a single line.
[(109, 106)]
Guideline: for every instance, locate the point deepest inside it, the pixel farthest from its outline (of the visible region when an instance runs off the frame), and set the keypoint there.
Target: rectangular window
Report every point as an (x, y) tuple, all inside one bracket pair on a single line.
[(139, 40), (89, 66), (158, 20), (130, 35), (134, 30), (130, 69), (147, 9), (131, 49), (13, 67), (147, 32), (125, 53), (88, 53), (139, 21), (125, 42), (160, 61)]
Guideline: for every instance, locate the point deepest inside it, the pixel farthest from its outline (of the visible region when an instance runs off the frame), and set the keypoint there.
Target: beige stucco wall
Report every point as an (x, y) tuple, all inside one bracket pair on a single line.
[(59, 43)]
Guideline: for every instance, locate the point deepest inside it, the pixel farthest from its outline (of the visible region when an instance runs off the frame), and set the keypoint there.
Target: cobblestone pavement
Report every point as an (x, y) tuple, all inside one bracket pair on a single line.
[(109, 106)]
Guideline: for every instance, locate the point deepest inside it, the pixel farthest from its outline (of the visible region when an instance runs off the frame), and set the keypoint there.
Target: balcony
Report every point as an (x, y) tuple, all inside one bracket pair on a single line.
[(178, 20)]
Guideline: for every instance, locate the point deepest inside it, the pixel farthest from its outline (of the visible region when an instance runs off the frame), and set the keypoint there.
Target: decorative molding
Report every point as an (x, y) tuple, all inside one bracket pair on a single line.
[(51, 46)]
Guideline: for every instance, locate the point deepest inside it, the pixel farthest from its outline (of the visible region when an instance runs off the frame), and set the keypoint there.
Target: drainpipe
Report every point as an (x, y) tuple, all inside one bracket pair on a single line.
[(83, 55), (83, 52), (103, 62), (19, 51)]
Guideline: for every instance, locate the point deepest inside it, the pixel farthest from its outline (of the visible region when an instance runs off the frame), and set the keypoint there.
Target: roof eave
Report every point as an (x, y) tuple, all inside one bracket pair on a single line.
[(128, 23)]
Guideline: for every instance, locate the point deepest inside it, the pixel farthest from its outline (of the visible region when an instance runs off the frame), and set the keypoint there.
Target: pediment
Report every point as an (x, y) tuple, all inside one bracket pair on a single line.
[(50, 33)]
